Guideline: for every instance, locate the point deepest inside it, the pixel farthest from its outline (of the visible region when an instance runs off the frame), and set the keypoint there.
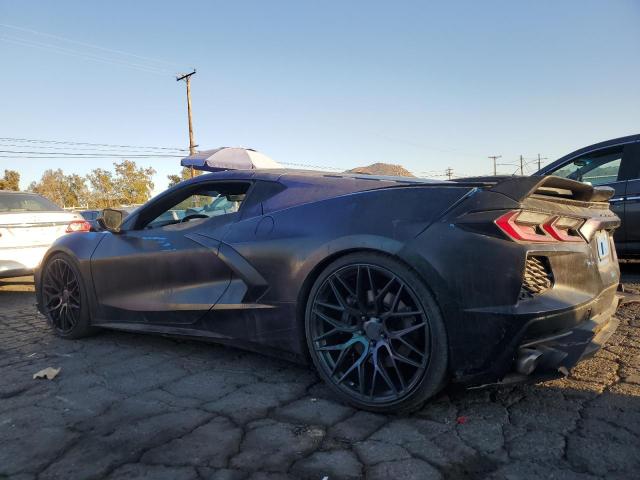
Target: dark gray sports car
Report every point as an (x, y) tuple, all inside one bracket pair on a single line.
[(391, 287)]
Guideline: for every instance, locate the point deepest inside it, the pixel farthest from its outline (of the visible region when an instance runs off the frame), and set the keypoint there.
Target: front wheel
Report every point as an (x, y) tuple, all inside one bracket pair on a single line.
[(64, 298), (375, 334)]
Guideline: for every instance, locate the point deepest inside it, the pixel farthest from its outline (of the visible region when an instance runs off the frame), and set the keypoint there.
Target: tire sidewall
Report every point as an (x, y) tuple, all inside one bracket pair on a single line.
[(433, 378)]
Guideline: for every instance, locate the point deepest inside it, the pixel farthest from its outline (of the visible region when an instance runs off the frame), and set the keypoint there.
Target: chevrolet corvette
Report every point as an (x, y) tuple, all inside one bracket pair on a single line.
[(390, 287)]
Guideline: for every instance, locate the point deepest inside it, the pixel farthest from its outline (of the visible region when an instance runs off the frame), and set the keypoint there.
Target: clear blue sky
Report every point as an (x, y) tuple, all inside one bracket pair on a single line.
[(424, 84)]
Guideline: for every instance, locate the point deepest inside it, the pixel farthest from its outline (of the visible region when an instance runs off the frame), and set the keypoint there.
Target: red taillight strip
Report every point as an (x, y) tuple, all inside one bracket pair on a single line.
[(559, 233), (78, 226), (507, 223)]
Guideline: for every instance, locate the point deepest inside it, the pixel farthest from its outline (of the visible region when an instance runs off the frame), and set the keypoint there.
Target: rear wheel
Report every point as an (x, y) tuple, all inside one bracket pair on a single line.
[(64, 298), (375, 334)]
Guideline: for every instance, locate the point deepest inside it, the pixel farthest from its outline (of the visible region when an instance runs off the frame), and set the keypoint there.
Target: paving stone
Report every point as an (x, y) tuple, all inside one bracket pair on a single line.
[(333, 464), (483, 435), (209, 385), (373, 451), (602, 449), (357, 427), (274, 446), (210, 445), (221, 474), (96, 455), (411, 469), (537, 445), (313, 411), (254, 400), (153, 472)]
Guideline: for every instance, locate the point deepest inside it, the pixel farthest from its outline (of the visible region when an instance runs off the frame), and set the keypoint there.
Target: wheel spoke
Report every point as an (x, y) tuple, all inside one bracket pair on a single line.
[(396, 299), (333, 331), (341, 357), (335, 323), (344, 284), (361, 291), (403, 359), (395, 366), (410, 313), (361, 378), (387, 379), (409, 346), (331, 306), (404, 331)]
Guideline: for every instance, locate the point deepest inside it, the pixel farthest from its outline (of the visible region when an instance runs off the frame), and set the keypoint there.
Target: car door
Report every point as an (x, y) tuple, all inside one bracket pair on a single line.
[(632, 200), (602, 167), (164, 267)]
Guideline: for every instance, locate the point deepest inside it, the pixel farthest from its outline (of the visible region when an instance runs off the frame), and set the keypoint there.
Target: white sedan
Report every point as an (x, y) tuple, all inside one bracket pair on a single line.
[(29, 224)]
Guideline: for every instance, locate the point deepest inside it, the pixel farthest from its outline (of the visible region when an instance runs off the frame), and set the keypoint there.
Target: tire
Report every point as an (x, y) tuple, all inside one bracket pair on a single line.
[(375, 334), (64, 298)]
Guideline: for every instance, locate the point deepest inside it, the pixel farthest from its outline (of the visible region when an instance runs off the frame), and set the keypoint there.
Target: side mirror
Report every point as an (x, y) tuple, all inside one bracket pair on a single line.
[(111, 219)]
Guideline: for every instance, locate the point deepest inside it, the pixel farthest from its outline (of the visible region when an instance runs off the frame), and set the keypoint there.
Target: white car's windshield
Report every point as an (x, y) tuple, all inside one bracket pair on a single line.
[(25, 202)]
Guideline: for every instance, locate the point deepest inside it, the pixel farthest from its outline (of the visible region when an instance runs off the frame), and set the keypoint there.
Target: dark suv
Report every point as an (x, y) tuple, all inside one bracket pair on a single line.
[(614, 163)]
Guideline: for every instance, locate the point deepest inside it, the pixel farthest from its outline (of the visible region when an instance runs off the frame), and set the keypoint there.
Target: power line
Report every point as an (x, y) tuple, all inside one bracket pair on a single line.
[(64, 142), (85, 56), (81, 155), (97, 47), (90, 150)]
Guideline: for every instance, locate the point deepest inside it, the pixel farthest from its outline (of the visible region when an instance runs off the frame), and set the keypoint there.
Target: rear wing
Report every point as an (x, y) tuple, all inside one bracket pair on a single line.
[(519, 188)]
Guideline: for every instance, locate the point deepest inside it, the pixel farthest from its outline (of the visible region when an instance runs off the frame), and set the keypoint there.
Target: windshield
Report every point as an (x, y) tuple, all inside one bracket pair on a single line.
[(25, 202)]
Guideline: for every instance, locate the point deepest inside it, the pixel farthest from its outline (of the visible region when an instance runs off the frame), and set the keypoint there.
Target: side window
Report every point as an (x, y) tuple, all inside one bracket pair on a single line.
[(596, 168), (206, 201)]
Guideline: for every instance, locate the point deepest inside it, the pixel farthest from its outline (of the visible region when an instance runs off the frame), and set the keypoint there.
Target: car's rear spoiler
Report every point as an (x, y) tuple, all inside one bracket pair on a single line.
[(519, 188)]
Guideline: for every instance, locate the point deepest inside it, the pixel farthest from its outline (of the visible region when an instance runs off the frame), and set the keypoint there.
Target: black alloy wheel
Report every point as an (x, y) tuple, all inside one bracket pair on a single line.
[(63, 298), (372, 337)]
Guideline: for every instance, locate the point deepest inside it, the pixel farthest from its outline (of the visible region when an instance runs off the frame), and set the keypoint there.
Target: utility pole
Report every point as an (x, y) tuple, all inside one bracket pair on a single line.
[(540, 161), (449, 173), (192, 144), (494, 158), (521, 165)]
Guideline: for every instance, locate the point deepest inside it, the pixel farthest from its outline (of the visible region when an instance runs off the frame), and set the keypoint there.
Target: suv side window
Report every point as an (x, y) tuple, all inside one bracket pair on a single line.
[(596, 168)]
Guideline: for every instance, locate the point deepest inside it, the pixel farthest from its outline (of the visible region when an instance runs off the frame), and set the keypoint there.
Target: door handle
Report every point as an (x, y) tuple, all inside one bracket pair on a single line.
[(616, 199), (635, 197)]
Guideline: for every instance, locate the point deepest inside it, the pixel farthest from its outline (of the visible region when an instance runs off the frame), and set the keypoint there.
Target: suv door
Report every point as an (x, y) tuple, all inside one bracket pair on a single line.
[(632, 200), (607, 167)]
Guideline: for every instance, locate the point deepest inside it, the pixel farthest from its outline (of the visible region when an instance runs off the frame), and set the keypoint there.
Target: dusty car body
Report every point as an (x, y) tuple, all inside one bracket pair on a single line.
[(392, 287), (29, 224)]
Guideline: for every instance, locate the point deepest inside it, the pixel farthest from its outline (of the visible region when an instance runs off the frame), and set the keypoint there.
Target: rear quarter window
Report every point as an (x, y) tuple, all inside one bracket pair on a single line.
[(24, 202)]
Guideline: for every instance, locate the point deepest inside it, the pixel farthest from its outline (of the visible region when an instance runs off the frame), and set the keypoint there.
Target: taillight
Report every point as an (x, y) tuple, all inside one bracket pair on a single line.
[(78, 226), (525, 226), (564, 229)]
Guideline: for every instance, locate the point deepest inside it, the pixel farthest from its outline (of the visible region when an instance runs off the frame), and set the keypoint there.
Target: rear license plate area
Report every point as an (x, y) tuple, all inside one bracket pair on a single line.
[(603, 246)]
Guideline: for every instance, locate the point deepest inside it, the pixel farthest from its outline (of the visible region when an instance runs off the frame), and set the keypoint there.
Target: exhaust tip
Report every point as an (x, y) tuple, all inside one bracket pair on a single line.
[(527, 360)]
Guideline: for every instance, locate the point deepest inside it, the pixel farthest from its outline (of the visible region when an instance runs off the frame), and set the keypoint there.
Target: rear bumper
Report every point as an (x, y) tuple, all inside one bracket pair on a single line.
[(15, 262), (547, 347)]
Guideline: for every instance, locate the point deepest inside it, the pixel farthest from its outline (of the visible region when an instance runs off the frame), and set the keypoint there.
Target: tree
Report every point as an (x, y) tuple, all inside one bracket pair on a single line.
[(133, 185), (103, 189), (64, 190), (185, 174), (10, 181)]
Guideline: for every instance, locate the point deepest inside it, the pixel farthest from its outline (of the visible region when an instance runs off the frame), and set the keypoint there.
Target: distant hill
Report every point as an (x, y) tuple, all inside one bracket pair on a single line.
[(383, 169)]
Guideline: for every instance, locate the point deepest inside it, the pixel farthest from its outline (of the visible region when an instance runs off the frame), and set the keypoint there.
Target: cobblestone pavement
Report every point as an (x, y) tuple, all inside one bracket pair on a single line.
[(133, 406)]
